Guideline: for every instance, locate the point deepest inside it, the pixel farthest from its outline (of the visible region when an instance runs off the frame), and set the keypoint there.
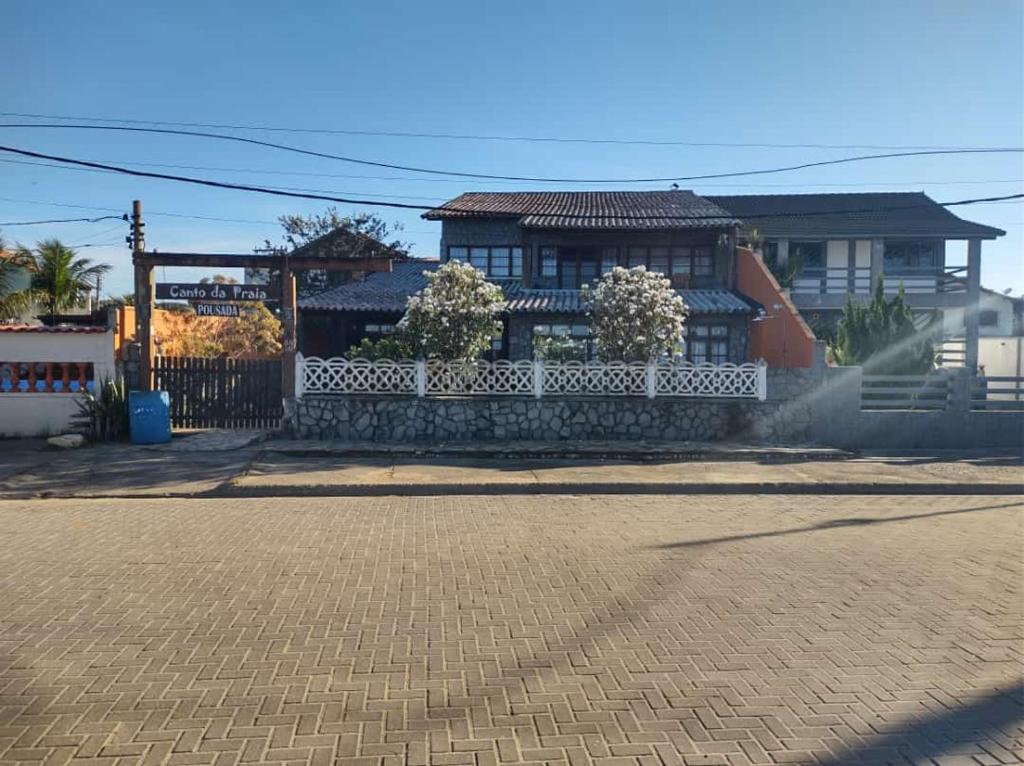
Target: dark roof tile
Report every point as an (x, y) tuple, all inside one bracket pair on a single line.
[(676, 209), (868, 214)]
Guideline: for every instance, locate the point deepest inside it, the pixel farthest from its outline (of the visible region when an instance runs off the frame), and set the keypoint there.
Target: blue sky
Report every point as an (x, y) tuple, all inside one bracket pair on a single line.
[(864, 73)]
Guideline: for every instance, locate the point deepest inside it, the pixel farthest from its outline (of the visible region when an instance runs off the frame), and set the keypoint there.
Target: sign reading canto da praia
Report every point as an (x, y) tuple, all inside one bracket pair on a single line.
[(213, 291)]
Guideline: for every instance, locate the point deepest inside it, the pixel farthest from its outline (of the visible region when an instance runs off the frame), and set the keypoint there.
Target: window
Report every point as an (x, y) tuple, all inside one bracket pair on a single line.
[(911, 255), (561, 342), (681, 260), (659, 260), (988, 317), (676, 261), (703, 262), (478, 258), (548, 262), (569, 277), (500, 262), (379, 329), (609, 259), (707, 343), (810, 255), (496, 262)]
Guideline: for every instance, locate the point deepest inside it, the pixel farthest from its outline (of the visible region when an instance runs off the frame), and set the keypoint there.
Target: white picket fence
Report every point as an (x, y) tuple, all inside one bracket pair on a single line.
[(337, 375)]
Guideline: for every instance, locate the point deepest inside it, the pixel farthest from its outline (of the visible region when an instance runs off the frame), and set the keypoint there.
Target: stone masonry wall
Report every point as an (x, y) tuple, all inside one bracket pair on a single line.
[(819, 406), (430, 420)]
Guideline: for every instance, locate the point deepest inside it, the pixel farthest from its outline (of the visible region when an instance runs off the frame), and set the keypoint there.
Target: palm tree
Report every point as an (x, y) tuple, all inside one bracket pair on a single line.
[(13, 301), (59, 281)]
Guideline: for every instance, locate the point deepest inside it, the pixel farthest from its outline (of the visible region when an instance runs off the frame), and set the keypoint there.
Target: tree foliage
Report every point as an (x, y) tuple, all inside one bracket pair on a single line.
[(255, 332), (635, 315), (882, 336), (455, 316), (369, 231), (391, 347), (58, 280)]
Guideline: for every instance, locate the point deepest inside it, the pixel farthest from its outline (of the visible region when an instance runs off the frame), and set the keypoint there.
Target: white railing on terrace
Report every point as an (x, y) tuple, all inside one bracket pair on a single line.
[(338, 375)]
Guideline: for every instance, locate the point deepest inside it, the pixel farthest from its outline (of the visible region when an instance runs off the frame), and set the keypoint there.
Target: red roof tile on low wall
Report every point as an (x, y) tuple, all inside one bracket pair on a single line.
[(44, 328)]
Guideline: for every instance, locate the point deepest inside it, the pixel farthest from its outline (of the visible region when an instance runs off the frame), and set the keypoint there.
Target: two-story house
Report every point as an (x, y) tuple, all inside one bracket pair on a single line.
[(541, 247), (839, 245)]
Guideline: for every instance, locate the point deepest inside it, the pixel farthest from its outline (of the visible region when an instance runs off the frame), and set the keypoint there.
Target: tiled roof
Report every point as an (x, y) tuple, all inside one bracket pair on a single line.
[(589, 209), (342, 243), (524, 300), (870, 214), (44, 328), (388, 291), (377, 291)]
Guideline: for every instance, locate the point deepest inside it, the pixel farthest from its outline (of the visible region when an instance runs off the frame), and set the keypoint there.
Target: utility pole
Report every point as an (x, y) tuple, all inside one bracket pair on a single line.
[(143, 299)]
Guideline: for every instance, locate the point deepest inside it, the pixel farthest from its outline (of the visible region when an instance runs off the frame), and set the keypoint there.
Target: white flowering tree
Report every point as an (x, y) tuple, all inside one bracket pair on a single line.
[(635, 315), (455, 316)]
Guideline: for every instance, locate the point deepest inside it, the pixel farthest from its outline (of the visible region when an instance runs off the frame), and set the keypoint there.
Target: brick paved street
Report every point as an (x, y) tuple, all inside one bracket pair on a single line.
[(490, 630)]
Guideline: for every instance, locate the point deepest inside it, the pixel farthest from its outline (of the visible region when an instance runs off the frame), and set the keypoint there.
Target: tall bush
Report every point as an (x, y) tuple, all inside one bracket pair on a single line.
[(635, 315), (455, 316), (882, 336)]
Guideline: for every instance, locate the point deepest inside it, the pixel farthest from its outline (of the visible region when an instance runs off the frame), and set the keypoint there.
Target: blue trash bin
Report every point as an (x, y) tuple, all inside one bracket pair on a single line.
[(149, 417)]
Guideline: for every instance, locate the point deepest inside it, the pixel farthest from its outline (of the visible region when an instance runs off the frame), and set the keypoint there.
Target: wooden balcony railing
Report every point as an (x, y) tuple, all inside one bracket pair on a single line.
[(46, 377), (842, 280), (833, 281)]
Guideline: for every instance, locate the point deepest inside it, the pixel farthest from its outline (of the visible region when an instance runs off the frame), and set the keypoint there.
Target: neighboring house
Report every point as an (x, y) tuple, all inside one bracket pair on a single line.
[(367, 306), (541, 247), (999, 315), (840, 244)]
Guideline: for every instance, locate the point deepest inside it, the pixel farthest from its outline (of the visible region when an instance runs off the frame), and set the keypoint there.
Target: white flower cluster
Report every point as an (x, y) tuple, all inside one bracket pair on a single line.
[(456, 315), (635, 315)]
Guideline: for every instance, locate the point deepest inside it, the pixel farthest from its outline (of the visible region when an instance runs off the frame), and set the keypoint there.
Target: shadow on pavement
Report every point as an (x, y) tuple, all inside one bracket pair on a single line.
[(834, 524), (994, 719)]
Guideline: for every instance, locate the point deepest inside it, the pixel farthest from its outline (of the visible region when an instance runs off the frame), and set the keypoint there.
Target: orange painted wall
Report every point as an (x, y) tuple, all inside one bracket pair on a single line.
[(782, 338), (164, 324)]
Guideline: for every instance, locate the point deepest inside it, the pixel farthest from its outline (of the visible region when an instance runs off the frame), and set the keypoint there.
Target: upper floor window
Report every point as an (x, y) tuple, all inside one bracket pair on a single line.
[(910, 255), (810, 255), (495, 262), (682, 262)]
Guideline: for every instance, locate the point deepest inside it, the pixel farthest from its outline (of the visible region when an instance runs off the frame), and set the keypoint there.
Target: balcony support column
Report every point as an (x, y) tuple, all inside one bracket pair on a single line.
[(877, 262), (971, 306)]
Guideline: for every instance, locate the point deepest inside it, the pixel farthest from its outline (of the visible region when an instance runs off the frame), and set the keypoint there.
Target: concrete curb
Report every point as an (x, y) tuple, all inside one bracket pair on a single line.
[(229, 491)]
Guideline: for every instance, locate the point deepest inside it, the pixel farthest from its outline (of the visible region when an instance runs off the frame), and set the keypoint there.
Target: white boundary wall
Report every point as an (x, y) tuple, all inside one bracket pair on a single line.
[(46, 414)]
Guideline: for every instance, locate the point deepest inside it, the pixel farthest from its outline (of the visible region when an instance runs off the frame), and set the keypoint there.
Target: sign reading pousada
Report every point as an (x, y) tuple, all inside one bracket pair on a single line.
[(213, 291), (216, 309)]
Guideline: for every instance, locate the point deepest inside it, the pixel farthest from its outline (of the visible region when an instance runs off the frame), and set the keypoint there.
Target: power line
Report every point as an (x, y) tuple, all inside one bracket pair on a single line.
[(61, 220), (462, 174), (480, 137), (263, 171), (452, 209)]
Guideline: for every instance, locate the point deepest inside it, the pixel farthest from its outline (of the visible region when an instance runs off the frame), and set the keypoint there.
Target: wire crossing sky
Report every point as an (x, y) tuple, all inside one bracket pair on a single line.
[(656, 91)]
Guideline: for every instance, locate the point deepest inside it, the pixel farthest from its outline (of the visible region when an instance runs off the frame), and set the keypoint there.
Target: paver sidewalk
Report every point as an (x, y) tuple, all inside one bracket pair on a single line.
[(243, 465)]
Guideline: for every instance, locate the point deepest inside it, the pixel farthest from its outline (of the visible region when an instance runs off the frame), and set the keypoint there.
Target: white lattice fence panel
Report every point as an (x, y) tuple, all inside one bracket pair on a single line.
[(501, 378), (710, 380), (358, 376), (595, 378)]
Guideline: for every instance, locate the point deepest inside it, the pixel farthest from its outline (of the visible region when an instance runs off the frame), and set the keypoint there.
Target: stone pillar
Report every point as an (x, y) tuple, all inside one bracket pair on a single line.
[(971, 307)]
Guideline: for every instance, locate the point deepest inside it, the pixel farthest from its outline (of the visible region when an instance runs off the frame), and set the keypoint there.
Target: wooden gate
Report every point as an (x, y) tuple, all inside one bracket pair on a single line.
[(220, 393)]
